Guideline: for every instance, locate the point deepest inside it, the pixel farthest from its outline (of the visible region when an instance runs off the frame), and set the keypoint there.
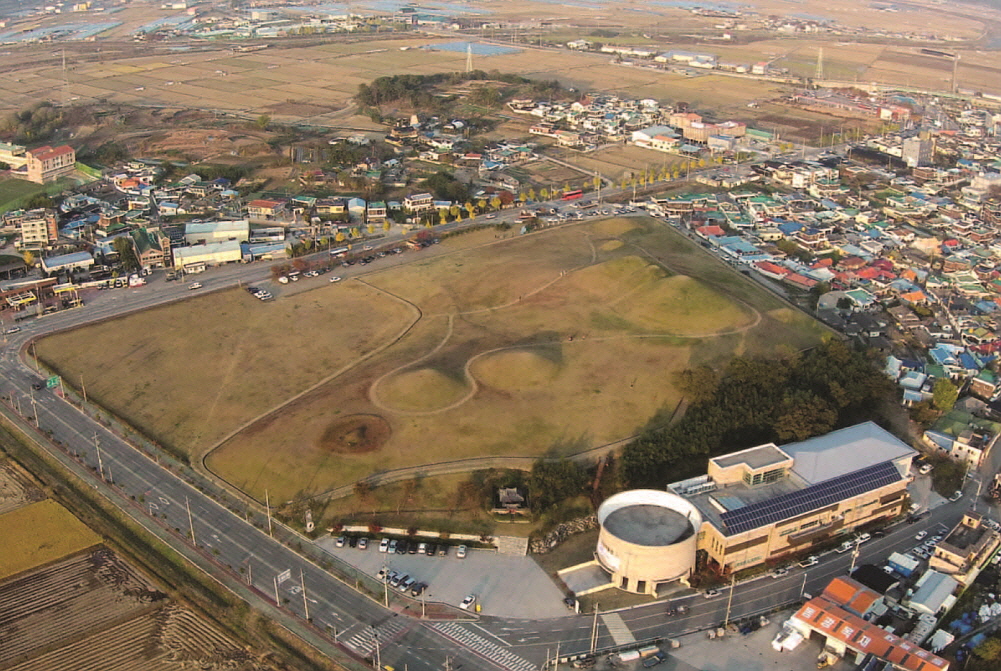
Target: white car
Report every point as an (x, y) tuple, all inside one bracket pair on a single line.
[(921, 535), (339, 542), (195, 285), (468, 602), (362, 543), (957, 496), (460, 552), (384, 545), (335, 279), (13, 329)]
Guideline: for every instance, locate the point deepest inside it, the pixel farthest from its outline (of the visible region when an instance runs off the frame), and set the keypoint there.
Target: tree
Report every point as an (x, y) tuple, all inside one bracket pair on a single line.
[(470, 210), (370, 228), (126, 254), (698, 385), (495, 203), (553, 482), (531, 194), (804, 415), (262, 122), (944, 394), (544, 194), (989, 650), (386, 225), (29, 258), (340, 237)]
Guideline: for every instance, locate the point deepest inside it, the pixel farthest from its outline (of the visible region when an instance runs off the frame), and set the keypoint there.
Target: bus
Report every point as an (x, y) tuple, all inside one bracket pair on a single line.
[(573, 195), (340, 251)]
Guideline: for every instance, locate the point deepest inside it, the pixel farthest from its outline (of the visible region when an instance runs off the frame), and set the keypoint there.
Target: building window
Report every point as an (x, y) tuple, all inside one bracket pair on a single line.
[(753, 479)]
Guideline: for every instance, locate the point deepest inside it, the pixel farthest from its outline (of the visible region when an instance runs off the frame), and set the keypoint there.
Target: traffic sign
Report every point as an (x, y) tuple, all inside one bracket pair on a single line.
[(52, 382), (284, 575)]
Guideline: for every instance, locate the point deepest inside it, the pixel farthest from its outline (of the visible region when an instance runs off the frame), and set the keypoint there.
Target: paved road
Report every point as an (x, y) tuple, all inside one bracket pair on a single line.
[(237, 547)]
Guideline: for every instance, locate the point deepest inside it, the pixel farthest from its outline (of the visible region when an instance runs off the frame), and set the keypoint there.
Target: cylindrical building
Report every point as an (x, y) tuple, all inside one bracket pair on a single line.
[(647, 538)]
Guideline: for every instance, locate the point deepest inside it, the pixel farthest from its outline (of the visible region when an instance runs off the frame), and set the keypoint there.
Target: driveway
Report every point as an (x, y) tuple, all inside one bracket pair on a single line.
[(505, 586)]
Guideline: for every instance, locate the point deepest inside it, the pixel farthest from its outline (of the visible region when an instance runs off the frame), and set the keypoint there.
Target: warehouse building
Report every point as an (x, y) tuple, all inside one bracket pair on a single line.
[(198, 257), (216, 231)]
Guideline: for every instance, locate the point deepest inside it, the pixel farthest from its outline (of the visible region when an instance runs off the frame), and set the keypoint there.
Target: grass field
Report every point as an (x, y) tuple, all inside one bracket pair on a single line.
[(38, 534), (545, 344), (14, 193)]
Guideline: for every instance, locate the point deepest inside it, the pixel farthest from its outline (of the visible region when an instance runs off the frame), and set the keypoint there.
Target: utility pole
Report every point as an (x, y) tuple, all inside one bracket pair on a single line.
[(855, 551), (594, 632), (729, 600), (250, 574), (83, 390), (378, 653), (97, 448), (305, 602), (34, 407), (191, 522), (278, 601), (267, 504), (802, 590)]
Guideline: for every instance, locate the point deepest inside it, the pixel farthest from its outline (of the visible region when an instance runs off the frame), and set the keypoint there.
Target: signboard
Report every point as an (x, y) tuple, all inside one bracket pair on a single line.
[(284, 575), (52, 382)]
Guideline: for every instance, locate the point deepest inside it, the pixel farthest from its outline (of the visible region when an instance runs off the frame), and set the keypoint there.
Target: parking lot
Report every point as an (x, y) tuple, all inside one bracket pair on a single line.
[(505, 586)]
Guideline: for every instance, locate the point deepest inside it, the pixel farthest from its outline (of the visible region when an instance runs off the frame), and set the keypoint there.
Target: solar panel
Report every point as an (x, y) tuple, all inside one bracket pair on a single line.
[(810, 498)]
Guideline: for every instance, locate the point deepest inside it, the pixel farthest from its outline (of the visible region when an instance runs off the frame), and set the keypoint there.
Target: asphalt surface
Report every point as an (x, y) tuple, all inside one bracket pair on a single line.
[(237, 549)]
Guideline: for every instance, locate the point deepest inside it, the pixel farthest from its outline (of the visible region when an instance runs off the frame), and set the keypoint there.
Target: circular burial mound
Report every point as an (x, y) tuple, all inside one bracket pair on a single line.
[(611, 245), (355, 434), (420, 390), (515, 369)]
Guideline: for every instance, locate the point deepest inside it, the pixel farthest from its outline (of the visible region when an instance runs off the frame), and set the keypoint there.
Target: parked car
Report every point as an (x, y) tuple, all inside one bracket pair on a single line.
[(443, 550), (408, 584), (397, 579), (402, 547), (862, 538), (845, 547), (384, 545), (926, 469), (779, 572), (957, 496), (809, 561), (339, 542), (381, 575), (422, 548), (352, 541), (431, 550), (468, 602), (921, 535), (392, 546), (654, 659), (362, 543), (460, 552), (418, 589)]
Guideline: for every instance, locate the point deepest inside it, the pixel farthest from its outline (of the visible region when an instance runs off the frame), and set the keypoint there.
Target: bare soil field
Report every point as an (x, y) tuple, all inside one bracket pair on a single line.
[(13, 493), (37, 534), (93, 611)]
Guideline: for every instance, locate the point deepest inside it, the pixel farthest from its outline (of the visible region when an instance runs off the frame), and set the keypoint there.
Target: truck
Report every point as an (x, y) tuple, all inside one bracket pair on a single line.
[(136, 280)]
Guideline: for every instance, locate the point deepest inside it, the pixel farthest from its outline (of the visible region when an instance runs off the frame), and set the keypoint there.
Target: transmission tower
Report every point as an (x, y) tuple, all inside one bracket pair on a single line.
[(469, 57), (819, 75)]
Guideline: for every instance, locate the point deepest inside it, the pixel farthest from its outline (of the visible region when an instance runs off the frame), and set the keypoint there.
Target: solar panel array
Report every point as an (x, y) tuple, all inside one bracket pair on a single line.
[(810, 498)]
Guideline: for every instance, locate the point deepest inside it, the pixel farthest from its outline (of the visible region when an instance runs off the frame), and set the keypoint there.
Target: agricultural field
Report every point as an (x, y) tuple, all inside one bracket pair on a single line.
[(95, 611), (40, 533), (624, 161), (544, 344)]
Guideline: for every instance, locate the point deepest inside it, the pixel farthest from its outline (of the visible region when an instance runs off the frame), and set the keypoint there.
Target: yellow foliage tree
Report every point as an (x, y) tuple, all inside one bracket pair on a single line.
[(386, 225), (340, 237)]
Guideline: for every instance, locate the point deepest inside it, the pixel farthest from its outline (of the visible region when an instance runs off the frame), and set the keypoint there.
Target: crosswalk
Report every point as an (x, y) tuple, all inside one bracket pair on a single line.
[(617, 629), (365, 640), (492, 651)]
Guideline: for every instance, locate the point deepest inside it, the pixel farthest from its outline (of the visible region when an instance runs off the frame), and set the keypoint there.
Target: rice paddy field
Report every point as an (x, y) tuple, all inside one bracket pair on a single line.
[(523, 346), (40, 533)]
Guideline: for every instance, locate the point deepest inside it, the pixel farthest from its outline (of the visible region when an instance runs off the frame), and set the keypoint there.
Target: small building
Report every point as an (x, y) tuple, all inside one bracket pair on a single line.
[(210, 254), (965, 549), (67, 262), (151, 247), (933, 594), (39, 228), (217, 231), (265, 209)]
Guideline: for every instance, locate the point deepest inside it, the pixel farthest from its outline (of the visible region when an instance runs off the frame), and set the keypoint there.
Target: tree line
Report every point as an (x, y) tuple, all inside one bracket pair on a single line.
[(755, 400), (419, 90)]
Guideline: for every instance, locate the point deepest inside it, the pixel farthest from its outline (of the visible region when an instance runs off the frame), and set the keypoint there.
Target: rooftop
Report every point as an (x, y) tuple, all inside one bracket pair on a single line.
[(754, 457), (845, 451), (648, 525)]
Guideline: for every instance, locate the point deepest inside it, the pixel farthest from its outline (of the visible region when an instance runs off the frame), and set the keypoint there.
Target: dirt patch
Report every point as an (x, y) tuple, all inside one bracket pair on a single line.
[(298, 109), (356, 434)]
